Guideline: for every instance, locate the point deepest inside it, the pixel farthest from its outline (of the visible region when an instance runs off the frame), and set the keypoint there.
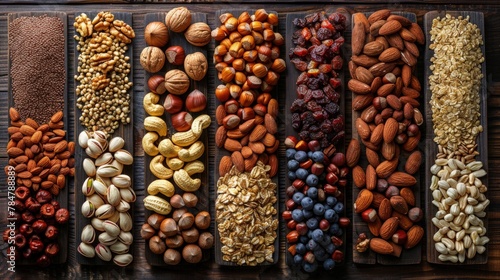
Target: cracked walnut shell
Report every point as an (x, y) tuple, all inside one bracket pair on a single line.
[(196, 66), (198, 34)]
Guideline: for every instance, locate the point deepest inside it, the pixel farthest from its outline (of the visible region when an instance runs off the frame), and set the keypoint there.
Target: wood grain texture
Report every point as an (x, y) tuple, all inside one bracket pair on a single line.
[(411, 256), (124, 131), (432, 148), (220, 152), (202, 193), (62, 198), (291, 87)]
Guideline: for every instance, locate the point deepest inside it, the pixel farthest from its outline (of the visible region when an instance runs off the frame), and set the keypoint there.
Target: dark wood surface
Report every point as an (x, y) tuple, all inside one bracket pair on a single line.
[(140, 268), (431, 147)]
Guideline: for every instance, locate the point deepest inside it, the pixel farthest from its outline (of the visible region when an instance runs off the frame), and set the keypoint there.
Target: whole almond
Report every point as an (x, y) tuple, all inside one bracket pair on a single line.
[(377, 134), (14, 114), (386, 168), (270, 124), (408, 196), (358, 87), (220, 136), (390, 27), (273, 108), (408, 111), (269, 140), (368, 114), (385, 209), (378, 15), (389, 227), (247, 126), (363, 75), (386, 90), (361, 18), (225, 165), (394, 102), (414, 235), (232, 145), (220, 114), (408, 58), (361, 101), (377, 199), (374, 227), (389, 55), (415, 83), (357, 38), (391, 127), (273, 163), (373, 48), (238, 161), (408, 91), (61, 146), (404, 222), (417, 32), (364, 60), (375, 27), (388, 150), (14, 152), (412, 48), (362, 128), (358, 176), (57, 117), (371, 177), (258, 133), (413, 162), (380, 246), (401, 179), (363, 201), (381, 68), (399, 204), (257, 147), (395, 40), (372, 157), (353, 153), (235, 134)]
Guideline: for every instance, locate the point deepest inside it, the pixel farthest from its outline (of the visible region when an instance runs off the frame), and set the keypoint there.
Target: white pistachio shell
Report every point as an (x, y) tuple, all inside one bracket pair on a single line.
[(123, 206), (86, 250), (126, 221), (123, 260), (89, 167), (103, 252), (121, 181), (100, 136), (128, 195), (103, 159), (105, 211), (107, 239), (96, 200), (118, 165), (88, 187), (83, 137), (115, 144), (126, 237), (119, 248), (115, 218), (88, 234), (94, 148), (97, 224), (111, 228), (108, 170), (88, 209), (113, 195), (100, 188), (124, 157)]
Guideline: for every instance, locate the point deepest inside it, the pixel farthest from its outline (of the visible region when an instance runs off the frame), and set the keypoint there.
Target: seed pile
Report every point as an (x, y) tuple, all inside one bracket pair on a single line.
[(38, 73)]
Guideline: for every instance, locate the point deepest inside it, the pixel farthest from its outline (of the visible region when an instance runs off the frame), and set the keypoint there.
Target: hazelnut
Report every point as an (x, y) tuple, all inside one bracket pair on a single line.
[(156, 245), (154, 220), (196, 101), (190, 199), (156, 84), (174, 241), (175, 55), (182, 121), (186, 221), (190, 235), (206, 240), (172, 257), (147, 231), (169, 227), (177, 201), (202, 220), (156, 34), (222, 93), (172, 104)]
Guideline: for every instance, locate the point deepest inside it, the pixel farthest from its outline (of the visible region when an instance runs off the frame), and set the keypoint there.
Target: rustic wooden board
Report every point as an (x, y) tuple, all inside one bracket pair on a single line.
[(124, 131), (291, 78), (219, 153), (203, 191), (412, 256), (432, 148), (62, 198)]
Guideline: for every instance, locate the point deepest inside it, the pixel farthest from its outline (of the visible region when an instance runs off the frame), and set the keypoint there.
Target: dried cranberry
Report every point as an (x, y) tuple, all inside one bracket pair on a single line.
[(335, 48), (323, 34), (28, 217), (36, 246), (22, 193), (326, 127), (299, 64), (52, 232), (62, 216), (315, 41), (335, 82), (313, 83), (337, 18), (302, 79), (47, 210), (328, 25), (300, 51), (317, 94), (32, 205), (307, 117)]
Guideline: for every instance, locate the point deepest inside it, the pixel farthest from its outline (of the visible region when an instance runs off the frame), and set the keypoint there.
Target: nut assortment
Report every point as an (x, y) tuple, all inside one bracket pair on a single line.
[(457, 189), (103, 71), (174, 144), (41, 159), (108, 198), (384, 54), (247, 62)]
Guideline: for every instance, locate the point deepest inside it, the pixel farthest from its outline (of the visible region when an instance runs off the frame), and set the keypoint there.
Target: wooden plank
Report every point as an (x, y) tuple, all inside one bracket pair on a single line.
[(291, 88), (124, 131), (220, 152), (203, 192), (62, 198), (412, 256), (431, 147)]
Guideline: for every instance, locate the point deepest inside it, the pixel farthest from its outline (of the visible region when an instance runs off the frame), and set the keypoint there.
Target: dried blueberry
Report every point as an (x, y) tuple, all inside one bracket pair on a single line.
[(339, 207), (308, 213), (318, 156), (293, 165), (307, 203), (291, 175), (310, 267), (297, 215), (297, 259), (312, 180), (311, 245), (312, 192), (319, 209), (301, 174), (328, 264), (297, 197), (317, 235), (300, 156), (312, 223), (301, 248)]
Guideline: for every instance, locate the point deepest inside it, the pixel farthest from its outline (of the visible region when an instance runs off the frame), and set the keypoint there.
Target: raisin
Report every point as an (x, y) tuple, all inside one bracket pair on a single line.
[(299, 22), (312, 18), (337, 18), (338, 137), (313, 106), (337, 62), (338, 123), (300, 51), (301, 91), (315, 41), (317, 94), (307, 118), (299, 64), (304, 135), (308, 97), (326, 127), (325, 142), (302, 79), (318, 116), (323, 100), (323, 34), (332, 109), (314, 128), (317, 135), (298, 105), (335, 82), (296, 121), (335, 48), (328, 25), (313, 83)]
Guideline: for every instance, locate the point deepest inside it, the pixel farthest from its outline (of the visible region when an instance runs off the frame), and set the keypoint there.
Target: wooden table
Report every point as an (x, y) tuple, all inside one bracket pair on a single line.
[(140, 269)]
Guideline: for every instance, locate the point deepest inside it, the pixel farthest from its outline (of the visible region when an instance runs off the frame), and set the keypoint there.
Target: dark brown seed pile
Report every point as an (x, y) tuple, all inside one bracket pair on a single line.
[(37, 69)]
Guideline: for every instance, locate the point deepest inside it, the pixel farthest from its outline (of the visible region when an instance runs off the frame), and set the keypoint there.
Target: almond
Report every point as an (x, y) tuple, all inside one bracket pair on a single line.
[(385, 209), (247, 126), (394, 102), (364, 60), (361, 18), (391, 127), (372, 157), (371, 178), (232, 145), (257, 147), (57, 117), (14, 115), (15, 152), (408, 196), (238, 161), (395, 40), (404, 222), (352, 153), (380, 246), (220, 114), (408, 58), (373, 48), (375, 27), (386, 168), (401, 179), (358, 176), (363, 75), (417, 32), (362, 128), (270, 124), (378, 15), (388, 150), (381, 68), (370, 145), (358, 38), (269, 140), (406, 75), (273, 108), (246, 152), (368, 114), (363, 201), (258, 133), (412, 48), (415, 83), (273, 163), (407, 91), (399, 204), (413, 162), (389, 55), (27, 130), (220, 136), (61, 146), (377, 134), (390, 27), (408, 111), (389, 227), (374, 227), (386, 90), (358, 87), (412, 101), (414, 234), (235, 134), (361, 101), (225, 165), (403, 20)]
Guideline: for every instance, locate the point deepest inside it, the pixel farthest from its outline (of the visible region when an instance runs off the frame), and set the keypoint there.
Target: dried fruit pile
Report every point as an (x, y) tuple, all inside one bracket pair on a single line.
[(314, 200), (317, 54), (176, 159), (384, 55), (40, 159), (108, 195), (247, 61), (457, 184)]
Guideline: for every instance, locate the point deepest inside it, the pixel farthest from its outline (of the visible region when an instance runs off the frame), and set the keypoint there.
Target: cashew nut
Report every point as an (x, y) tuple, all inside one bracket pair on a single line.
[(158, 169), (185, 182), (187, 138), (151, 106), (194, 167), (193, 152), (153, 123), (168, 149), (148, 143), (175, 163)]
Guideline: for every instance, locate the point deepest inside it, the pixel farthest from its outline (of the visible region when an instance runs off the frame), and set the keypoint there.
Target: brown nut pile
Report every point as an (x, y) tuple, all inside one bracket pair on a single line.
[(247, 61), (103, 70), (40, 159), (385, 52)]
